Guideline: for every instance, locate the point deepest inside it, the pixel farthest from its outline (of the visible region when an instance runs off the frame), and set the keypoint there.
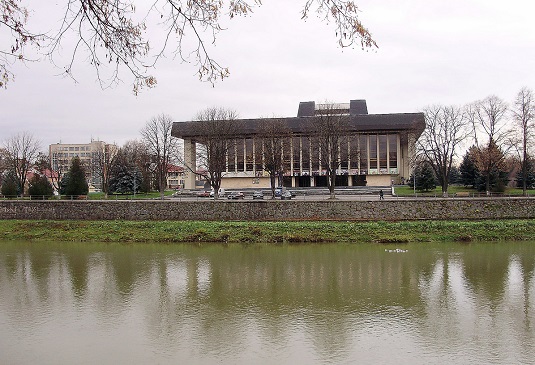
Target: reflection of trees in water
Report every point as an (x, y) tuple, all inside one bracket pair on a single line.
[(219, 298), (477, 299)]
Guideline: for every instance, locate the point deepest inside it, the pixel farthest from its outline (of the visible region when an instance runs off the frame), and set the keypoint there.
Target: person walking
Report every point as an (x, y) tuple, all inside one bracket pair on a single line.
[(381, 195)]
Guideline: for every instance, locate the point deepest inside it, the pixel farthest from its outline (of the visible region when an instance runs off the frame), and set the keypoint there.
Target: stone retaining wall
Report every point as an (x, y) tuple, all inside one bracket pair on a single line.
[(402, 209)]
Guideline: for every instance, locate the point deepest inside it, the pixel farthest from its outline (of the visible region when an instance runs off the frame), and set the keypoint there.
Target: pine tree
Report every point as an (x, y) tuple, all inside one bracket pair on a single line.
[(10, 186), (40, 187), (74, 182), (530, 175), (468, 169), (125, 179), (425, 178)]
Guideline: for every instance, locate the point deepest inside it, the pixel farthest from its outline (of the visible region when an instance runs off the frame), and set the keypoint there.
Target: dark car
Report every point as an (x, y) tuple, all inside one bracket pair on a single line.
[(258, 195), (236, 195)]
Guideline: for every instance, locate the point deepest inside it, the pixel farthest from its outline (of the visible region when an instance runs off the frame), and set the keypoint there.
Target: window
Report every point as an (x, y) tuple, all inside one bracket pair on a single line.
[(240, 154), (363, 153), (373, 152), (231, 155), (383, 162), (393, 151), (296, 154), (249, 157)]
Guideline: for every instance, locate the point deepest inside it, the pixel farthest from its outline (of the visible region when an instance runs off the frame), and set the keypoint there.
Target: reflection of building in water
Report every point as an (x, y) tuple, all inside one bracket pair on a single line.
[(377, 149)]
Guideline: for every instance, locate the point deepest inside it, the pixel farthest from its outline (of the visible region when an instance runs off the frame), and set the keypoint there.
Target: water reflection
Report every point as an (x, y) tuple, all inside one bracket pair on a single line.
[(86, 303)]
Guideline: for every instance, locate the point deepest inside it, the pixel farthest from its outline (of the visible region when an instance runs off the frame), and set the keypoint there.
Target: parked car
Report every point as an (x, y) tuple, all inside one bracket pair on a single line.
[(286, 195), (280, 192), (236, 195), (221, 193), (203, 194), (258, 195)]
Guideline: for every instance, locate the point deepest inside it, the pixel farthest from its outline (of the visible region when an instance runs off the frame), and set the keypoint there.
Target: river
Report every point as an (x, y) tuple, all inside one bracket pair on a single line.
[(89, 303)]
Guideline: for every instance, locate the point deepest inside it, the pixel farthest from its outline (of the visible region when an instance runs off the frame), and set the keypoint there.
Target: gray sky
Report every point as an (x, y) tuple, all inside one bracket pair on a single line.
[(430, 52)]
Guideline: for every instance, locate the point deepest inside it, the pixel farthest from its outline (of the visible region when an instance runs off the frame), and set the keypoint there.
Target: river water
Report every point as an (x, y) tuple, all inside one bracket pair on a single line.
[(92, 303)]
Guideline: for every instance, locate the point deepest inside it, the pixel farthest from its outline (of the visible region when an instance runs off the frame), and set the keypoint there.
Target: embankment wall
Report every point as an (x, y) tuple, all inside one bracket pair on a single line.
[(402, 209)]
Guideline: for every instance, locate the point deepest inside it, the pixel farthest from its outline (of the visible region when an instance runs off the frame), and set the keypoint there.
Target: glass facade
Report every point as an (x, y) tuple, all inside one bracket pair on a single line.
[(360, 154)]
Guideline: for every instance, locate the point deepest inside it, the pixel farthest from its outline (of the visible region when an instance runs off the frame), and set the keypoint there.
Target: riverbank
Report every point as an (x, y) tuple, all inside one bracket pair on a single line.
[(267, 232)]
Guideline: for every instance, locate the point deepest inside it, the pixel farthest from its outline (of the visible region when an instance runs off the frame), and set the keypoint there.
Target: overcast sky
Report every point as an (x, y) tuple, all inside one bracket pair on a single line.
[(430, 52)]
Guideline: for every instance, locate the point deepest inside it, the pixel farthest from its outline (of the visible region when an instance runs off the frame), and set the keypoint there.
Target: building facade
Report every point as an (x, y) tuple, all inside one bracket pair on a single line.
[(376, 151), (61, 155)]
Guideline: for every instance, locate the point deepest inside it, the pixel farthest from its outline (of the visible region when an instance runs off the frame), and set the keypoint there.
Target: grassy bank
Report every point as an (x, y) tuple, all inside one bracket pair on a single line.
[(266, 232)]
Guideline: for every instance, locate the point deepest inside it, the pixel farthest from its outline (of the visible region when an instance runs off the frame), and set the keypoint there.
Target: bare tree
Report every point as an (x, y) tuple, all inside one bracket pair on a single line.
[(490, 133), (215, 128), (136, 153), (523, 112), (275, 144), (330, 127), (13, 19), (103, 161), (111, 33), (21, 152), (164, 147), (446, 128)]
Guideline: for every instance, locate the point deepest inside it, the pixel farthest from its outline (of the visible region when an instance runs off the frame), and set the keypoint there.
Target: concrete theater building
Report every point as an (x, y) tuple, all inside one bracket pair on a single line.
[(379, 148)]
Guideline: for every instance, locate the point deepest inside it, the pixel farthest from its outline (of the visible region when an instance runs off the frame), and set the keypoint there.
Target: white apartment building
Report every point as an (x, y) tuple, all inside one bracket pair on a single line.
[(61, 155)]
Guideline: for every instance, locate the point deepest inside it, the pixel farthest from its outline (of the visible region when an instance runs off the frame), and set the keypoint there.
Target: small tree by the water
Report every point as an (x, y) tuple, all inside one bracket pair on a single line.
[(74, 182), (10, 187), (40, 186), (425, 178)]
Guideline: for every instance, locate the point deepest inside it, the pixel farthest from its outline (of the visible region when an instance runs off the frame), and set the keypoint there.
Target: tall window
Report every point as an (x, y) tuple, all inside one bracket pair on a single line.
[(383, 156), (393, 152), (231, 155), (373, 152), (305, 153), (249, 157), (363, 153), (354, 153), (344, 155), (240, 155), (296, 154)]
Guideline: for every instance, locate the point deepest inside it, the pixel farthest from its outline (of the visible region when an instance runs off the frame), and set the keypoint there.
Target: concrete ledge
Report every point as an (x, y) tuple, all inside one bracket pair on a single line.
[(409, 209)]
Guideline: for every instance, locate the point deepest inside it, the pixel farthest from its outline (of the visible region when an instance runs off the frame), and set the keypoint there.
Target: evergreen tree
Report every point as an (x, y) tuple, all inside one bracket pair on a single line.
[(425, 178), (10, 186), (125, 179), (468, 170), (40, 186), (530, 175), (74, 182), (497, 180), (455, 175)]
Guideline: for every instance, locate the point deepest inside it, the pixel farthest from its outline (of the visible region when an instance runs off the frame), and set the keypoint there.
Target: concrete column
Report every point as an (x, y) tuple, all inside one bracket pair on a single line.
[(190, 160)]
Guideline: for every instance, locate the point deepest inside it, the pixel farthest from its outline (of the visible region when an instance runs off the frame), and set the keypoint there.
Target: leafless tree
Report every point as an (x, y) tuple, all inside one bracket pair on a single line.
[(446, 128), (164, 147), (136, 153), (330, 128), (13, 19), (111, 33), (216, 129), (490, 132), (275, 145), (21, 151), (523, 111), (103, 161)]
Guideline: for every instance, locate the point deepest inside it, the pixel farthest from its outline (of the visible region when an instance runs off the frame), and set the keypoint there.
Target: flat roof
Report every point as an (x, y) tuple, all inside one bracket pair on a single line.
[(364, 123)]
